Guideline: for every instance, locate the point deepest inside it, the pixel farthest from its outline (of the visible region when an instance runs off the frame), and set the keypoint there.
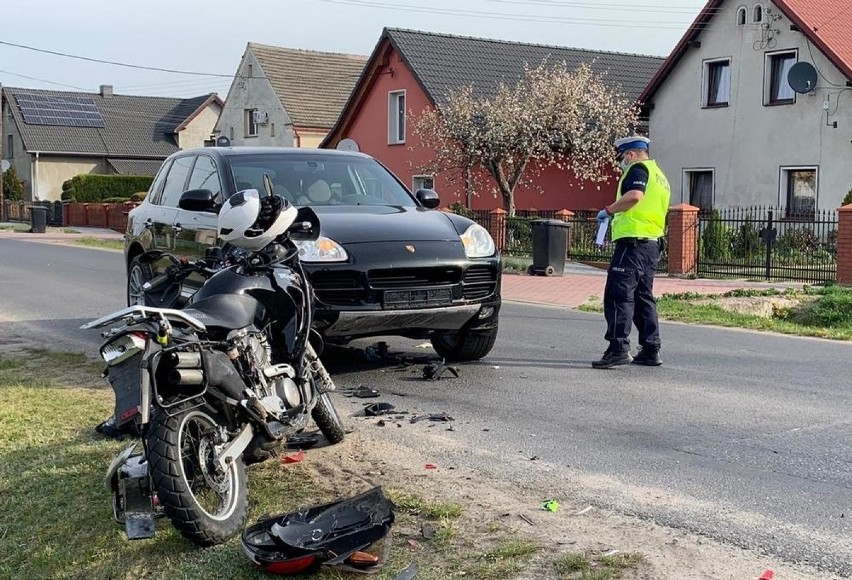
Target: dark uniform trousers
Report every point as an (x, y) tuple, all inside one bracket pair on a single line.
[(629, 296)]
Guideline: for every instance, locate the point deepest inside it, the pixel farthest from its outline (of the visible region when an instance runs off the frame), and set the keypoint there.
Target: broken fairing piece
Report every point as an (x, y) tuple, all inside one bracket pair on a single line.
[(434, 371), (409, 573), (327, 534), (584, 511), (612, 553), (365, 393), (377, 409), (443, 417)]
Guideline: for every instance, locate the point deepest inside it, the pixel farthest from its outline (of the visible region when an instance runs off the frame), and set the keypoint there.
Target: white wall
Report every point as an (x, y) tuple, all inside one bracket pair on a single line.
[(199, 129), (250, 93), (747, 143)]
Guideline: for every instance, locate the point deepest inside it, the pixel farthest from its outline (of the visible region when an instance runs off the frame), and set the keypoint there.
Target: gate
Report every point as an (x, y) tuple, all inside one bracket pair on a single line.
[(768, 243)]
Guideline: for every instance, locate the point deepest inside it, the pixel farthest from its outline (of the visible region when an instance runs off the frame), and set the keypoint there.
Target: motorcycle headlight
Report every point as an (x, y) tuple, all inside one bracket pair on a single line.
[(322, 249), (477, 242)]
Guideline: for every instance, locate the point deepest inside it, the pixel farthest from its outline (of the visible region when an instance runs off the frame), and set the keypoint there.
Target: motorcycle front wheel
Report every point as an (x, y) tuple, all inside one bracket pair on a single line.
[(327, 419), (205, 505)]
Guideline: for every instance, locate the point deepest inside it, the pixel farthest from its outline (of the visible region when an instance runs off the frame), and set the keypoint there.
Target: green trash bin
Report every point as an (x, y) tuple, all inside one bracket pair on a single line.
[(38, 219), (550, 247)]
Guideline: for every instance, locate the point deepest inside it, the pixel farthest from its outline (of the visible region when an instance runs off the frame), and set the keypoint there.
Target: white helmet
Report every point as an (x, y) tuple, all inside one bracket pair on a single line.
[(249, 222)]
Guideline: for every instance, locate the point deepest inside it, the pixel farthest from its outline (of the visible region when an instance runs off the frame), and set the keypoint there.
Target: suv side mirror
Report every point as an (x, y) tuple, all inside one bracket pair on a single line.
[(198, 200), (428, 198)]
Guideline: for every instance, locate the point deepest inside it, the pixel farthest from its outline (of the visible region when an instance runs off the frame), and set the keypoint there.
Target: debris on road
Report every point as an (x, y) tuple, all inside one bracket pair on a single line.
[(302, 441), (425, 345), (611, 553), (377, 409), (409, 573), (526, 519), (441, 417), (428, 530), (435, 370), (362, 392), (584, 511), (767, 575), (431, 466), (550, 505)]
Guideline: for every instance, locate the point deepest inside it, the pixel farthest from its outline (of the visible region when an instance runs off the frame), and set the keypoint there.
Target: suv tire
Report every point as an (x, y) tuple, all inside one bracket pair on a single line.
[(137, 274), (465, 345)]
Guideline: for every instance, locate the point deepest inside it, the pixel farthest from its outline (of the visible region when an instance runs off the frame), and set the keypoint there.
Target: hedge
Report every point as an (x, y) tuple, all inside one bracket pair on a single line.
[(87, 187)]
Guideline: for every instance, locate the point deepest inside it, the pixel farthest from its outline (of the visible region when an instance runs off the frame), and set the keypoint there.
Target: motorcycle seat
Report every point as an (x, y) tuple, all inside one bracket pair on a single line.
[(225, 311)]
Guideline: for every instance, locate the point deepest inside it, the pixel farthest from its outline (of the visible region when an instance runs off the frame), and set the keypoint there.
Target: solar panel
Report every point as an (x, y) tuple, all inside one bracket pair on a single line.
[(59, 110)]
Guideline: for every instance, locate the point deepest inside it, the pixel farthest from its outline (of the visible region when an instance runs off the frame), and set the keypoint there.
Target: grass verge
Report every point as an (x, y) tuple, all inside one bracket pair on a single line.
[(57, 516), (15, 227), (582, 566), (100, 243), (824, 312)]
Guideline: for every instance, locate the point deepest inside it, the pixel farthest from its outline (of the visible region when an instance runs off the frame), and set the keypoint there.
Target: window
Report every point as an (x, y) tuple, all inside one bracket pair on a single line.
[(757, 17), (250, 67), (231, 134), (205, 175), (250, 125), (717, 81), (157, 185), (778, 90), (422, 182), (698, 184), (176, 181), (799, 186), (741, 16), (10, 146), (272, 129), (396, 117)]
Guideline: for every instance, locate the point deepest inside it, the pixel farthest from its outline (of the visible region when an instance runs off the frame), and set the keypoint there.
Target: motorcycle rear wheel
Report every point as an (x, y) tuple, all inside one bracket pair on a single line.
[(206, 507)]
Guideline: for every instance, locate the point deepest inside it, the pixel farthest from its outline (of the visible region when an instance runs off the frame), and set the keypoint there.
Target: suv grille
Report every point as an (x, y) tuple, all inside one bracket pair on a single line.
[(413, 277), (479, 282), (339, 288)]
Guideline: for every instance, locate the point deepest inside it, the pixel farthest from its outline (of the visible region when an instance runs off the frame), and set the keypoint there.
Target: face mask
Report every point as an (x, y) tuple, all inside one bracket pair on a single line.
[(624, 164)]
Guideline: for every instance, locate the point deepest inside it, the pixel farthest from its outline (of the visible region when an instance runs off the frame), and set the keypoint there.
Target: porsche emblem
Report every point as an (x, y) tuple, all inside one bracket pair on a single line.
[(411, 248)]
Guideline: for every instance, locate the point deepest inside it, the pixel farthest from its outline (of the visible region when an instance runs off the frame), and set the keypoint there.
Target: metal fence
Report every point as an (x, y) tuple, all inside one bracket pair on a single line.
[(768, 243)]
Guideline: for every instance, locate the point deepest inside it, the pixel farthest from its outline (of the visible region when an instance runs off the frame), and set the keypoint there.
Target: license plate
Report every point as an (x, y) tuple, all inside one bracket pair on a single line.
[(395, 299)]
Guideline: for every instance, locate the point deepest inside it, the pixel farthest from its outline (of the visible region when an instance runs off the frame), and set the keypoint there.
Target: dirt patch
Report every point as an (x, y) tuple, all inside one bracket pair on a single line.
[(763, 306), (495, 509)]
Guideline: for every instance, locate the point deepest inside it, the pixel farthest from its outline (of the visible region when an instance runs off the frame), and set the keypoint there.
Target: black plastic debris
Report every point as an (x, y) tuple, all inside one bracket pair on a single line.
[(443, 417), (327, 534), (409, 573), (302, 441), (436, 370), (363, 392), (377, 409)]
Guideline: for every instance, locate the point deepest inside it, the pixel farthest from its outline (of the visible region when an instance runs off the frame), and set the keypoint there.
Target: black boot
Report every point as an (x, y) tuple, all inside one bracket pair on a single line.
[(648, 356), (613, 359)]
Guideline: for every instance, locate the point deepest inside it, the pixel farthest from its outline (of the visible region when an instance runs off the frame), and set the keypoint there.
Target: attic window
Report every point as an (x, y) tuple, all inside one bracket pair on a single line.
[(396, 117), (741, 16), (757, 17), (250, 71)]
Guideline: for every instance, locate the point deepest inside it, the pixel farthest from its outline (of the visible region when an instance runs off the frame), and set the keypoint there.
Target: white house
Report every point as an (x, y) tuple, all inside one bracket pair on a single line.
[(287, 97), (726, 124)]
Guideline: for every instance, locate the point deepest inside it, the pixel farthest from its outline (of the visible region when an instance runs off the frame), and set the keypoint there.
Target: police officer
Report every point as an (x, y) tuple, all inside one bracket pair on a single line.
[(638, 223)]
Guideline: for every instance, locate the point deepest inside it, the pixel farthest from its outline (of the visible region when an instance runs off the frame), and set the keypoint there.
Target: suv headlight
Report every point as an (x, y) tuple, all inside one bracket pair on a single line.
[(322, 249), (477, 242)]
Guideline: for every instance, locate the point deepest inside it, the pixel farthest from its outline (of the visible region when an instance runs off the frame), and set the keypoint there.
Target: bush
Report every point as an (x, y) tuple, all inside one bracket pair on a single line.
[(831, 310), (115, 199), (139, 196), (459, 209), (848, 199), (88, 188), (746, 242), (714, 239), (798, 241), (12, 188)]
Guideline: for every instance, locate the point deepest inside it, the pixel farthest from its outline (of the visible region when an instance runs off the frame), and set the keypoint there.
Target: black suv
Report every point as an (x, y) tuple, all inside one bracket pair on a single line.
[(387, 263)]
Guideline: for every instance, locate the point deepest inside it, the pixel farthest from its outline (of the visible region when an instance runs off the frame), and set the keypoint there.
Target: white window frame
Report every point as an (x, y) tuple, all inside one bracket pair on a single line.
[(248, 123), (767, 77), (424, 176), (686, 192), (784, 185), (396, 134), (705, 82), (742, 10)]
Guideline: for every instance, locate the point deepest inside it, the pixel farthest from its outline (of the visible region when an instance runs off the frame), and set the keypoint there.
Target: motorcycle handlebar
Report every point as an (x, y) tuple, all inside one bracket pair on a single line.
[(176, 274)]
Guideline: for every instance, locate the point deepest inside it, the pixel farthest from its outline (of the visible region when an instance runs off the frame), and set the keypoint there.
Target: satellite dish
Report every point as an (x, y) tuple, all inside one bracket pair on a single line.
[(223, 141), (802, 77), (348, 145), (4, 166)]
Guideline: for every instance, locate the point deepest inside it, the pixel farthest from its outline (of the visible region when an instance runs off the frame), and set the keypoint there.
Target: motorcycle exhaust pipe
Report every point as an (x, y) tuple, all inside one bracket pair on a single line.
[(186, 377), (185, 360)]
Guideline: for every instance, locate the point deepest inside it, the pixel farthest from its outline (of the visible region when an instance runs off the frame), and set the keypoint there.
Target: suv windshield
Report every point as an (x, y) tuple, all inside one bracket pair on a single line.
[(316, 180)]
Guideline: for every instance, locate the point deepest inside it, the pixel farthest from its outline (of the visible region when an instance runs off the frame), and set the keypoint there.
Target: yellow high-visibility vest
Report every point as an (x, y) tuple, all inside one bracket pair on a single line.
[(646, 219)]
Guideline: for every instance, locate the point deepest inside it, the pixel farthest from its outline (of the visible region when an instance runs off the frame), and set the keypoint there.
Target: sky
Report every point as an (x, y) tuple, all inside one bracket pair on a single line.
[(200, 37)]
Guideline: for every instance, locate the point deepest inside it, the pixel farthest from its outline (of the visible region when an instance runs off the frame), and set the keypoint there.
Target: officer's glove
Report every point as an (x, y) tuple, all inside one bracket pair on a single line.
[(603, 215)]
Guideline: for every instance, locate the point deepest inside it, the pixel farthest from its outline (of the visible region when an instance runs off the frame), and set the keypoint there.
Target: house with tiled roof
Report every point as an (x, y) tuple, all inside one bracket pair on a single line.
[(410, 71), (751, 107), (286, 97), (51, 136)]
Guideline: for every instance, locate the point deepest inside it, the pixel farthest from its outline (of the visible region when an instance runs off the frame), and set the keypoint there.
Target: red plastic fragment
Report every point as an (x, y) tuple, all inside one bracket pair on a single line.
[(294, 457), (767, 575)]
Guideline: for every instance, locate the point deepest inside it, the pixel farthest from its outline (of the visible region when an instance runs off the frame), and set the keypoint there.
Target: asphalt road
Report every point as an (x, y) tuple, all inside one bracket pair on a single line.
[(741, 436)]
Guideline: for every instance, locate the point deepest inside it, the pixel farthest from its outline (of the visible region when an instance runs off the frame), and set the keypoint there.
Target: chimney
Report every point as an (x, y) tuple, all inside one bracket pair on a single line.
[(106, 91)]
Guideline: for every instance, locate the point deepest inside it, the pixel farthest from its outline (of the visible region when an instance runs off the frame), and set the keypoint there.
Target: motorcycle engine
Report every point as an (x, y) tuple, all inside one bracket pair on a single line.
[(258, 348)]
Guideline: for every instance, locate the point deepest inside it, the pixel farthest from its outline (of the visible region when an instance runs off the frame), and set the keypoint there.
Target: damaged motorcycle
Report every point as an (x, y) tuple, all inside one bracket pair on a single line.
[(222, 382)]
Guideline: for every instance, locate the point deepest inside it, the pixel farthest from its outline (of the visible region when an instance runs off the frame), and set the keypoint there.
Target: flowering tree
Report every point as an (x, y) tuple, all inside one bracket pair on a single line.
[(551, 117)]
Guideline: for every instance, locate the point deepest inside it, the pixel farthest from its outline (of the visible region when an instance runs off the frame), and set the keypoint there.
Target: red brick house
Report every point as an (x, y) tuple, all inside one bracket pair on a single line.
[(409, 71)]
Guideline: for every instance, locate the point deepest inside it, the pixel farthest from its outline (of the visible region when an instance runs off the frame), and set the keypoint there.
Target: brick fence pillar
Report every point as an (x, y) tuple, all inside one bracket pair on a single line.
[(844, 245), (683, 239), (497, 227), (565, 215)]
